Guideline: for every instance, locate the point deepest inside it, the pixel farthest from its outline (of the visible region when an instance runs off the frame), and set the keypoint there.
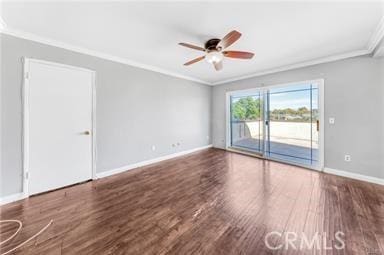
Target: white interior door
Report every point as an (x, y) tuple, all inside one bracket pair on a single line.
[(58, 125)]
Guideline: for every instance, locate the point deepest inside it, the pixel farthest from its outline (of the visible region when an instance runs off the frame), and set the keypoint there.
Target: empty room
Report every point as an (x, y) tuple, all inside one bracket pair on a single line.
[(192, 127)]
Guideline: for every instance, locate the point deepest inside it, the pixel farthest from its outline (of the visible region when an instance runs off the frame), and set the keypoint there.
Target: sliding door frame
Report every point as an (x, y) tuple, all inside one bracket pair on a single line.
[(263, 89)]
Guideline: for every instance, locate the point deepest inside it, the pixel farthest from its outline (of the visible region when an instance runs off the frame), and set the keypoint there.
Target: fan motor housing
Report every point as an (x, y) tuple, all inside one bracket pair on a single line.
[(212, 44)]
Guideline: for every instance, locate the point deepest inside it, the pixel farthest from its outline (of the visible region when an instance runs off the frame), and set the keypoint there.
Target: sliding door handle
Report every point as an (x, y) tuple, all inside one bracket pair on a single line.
[(317, 125)]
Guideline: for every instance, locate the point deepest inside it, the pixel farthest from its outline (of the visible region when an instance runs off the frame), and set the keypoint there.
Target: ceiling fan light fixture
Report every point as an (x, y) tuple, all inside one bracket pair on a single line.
[(215, 50), (214, 57)]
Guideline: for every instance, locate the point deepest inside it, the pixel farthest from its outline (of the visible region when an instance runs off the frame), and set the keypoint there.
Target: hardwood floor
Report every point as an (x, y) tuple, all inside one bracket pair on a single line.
[(210, 202)]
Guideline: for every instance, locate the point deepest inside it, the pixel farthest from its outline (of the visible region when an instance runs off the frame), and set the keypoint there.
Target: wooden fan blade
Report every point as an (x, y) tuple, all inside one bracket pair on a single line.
[(238, 54), (191, 46), (218, 65), (229, 39), (194, 61)]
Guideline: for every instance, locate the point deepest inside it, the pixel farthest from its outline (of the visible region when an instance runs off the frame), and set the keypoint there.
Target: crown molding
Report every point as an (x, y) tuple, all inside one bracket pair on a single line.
[(2, 24), (36, 38), (296, 66), (379, 52), (372, 44), (376, 37)]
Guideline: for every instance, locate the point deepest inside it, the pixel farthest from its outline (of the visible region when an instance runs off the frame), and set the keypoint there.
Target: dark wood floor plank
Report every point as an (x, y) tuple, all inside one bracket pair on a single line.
[(349, 215), (210, 202), (367, 204)]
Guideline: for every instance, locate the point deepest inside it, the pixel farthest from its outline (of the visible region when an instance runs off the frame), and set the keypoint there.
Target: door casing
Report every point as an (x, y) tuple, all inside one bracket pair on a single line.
[(25, 117), (263, 89)]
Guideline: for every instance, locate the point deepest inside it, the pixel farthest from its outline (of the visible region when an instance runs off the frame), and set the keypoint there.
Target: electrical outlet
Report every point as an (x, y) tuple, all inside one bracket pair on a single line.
[(207, 137), (332, 121), (347, 158), (153, 147)]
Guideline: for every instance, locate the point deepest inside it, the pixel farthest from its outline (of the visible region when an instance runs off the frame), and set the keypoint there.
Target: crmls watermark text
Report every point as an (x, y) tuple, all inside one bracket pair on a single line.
[(293, 240)]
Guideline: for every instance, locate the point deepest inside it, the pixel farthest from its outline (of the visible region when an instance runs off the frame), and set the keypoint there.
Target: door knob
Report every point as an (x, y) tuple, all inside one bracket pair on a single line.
[(87, 132)]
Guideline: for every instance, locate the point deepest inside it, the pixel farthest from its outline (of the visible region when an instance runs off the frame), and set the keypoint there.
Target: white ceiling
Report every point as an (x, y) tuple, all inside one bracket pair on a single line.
[(280, 33)]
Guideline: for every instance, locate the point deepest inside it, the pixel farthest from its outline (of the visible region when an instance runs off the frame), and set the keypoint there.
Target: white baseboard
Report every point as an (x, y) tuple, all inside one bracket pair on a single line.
[(19, 196), (354, 176), (11, 198), (148, 162)]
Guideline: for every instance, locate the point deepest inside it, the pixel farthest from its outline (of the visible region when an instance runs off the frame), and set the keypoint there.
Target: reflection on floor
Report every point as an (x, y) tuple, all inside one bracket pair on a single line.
[(283, 151), (210, 202)]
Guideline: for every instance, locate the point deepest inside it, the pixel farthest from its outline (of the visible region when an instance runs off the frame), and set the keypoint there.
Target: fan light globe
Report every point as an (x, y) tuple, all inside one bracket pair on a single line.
[(214, 57)]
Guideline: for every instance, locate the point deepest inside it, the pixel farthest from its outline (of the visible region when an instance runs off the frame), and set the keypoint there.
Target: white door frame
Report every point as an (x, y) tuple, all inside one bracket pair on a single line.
[(319, 82), (25, 114)]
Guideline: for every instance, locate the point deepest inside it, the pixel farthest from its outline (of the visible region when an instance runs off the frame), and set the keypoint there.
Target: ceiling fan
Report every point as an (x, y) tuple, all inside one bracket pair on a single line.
[(214, 49)]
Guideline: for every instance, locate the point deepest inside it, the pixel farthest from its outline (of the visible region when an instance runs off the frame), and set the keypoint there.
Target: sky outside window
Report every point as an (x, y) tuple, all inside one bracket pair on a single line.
[(294, 97)]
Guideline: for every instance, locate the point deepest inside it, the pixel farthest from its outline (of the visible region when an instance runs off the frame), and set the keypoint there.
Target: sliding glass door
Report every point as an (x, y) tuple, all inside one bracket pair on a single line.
[(280, 123), (293, 124), (247, 122)]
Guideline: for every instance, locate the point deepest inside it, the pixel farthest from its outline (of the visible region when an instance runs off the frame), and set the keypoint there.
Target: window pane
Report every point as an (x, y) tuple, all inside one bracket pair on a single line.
[(292, 127), (246, 126)]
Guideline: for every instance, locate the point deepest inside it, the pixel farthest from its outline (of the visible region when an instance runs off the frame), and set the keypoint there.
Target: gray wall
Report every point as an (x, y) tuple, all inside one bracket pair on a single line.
[(135, 110), (354, 95)]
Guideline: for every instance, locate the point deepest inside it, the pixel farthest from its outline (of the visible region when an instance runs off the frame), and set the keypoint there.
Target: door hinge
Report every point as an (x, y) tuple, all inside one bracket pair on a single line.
[(26, 75), (26, 175)]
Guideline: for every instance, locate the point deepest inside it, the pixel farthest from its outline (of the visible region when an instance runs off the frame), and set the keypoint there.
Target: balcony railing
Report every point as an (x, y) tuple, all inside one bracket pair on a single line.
[(289, 138)]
